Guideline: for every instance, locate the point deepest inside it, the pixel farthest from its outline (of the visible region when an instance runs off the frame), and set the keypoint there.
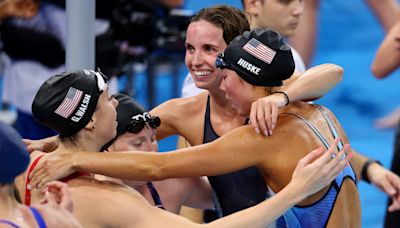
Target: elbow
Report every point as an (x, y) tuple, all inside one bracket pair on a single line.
[(337, 72), (377, 71)]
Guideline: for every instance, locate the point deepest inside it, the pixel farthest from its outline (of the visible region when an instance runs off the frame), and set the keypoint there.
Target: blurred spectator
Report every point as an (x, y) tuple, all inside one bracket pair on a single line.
[(387, 12), (57, 203), (18, 8), (386, 61)]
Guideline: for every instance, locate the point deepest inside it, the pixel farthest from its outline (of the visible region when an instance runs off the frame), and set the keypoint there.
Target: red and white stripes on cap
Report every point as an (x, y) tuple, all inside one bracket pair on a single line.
[(69, 103)]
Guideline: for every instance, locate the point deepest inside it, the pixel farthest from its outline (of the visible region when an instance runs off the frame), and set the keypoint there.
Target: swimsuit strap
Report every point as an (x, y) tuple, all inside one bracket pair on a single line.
[(39, 219), (330, 124), (313, 128), (27, 191), (9, 223), (154, 194)]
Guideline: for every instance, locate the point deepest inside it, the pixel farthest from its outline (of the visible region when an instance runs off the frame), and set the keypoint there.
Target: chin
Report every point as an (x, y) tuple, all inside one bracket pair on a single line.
[(289, 33), (201, 84)]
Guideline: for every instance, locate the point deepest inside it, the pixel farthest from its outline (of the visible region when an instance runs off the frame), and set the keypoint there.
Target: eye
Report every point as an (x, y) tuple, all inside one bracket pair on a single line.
[(286, 2), (209, 48), (137, 143), (189, 48)]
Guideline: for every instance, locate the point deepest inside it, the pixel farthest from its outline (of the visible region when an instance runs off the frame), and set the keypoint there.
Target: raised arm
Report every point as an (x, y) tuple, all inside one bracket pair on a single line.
[(310, 85), (387, 58)]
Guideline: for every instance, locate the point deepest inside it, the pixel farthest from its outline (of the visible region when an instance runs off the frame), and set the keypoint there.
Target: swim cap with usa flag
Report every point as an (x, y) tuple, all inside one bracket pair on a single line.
[(260, 57), (66, 102)]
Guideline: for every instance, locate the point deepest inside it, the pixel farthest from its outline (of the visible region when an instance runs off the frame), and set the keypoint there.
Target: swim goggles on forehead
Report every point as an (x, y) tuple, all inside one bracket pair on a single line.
[(101, 79), (139, 121), (222, 63)]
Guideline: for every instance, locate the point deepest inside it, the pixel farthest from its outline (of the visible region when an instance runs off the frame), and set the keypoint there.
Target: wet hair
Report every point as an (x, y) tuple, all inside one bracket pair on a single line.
[(231, 20)]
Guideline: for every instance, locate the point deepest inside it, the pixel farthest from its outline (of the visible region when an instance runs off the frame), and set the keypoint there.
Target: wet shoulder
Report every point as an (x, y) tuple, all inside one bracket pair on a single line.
[(182, 106)]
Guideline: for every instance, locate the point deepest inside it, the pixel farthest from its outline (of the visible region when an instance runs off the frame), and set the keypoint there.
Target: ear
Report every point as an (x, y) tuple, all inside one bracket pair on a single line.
[(252, 6), (92, 123)]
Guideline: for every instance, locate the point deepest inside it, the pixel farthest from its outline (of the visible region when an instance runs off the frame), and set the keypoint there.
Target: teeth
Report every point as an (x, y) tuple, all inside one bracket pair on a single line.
[(201, 73)]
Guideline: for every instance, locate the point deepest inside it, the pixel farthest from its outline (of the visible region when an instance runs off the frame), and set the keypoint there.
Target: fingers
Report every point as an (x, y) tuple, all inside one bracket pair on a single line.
[(38, 177), (61, 192), (253, 117), (310, 157), (274, 117), (389, 186), (262, 123), (263, 116), (327, 156), (337, 164), (29, 145), (49, 198)]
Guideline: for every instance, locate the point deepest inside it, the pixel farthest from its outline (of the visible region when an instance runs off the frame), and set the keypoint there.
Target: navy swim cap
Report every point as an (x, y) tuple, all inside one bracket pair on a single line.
[(14, 157), (66, 102), (260, 57)]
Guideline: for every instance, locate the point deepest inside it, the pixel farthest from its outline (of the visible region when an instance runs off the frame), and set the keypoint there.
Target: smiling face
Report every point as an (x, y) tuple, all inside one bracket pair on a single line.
[(280, 15), (240, 93), (203, 43)]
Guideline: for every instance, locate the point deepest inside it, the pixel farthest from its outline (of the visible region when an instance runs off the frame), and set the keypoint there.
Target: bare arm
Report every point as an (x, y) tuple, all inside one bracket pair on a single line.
[(309, 177), (309, 85), (387, 12), (314, 83), (167, 117), (233, 151), (176, 115), (387, 58)]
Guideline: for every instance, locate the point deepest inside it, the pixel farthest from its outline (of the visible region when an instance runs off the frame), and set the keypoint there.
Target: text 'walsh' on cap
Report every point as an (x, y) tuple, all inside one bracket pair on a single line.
[(66, 102)]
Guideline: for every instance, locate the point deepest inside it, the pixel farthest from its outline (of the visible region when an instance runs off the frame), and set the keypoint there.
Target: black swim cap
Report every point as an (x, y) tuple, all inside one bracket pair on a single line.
[(14, 157), (66, 102), (132, 117), (260, 57)]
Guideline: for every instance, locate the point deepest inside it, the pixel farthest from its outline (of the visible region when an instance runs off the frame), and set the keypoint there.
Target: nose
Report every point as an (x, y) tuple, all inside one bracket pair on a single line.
[(197, 58), (149, 146), (115, 102), (298, 8)]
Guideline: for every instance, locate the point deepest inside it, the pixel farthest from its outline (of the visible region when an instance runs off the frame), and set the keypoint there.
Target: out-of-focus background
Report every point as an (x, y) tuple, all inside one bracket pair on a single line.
[(349, 35)]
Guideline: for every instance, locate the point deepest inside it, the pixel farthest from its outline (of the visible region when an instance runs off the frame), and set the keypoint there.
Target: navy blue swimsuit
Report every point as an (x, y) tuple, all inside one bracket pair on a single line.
[(318, 213), (238, 190)]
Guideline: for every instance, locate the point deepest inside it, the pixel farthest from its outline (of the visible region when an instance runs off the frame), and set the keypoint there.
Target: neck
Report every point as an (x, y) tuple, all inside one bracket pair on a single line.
[(220, 104), (261, 92), (7, 199), (85, 143)]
